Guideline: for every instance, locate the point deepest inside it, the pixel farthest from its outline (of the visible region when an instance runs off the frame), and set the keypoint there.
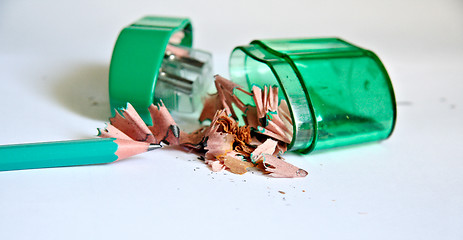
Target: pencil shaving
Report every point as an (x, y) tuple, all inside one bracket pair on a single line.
[(130, 126), (236, 164), (218, 144), (259, 143), (193, 139), (164, 127), (268, 147), (177, 37), (243, 141), (265, 116), (215, 165), (281, 169), (224, 143), (112, 132), (178, 52), (223, 99)]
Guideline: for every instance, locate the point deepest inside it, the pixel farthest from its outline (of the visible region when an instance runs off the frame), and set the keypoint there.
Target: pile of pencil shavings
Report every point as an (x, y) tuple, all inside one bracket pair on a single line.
[(223, 144)]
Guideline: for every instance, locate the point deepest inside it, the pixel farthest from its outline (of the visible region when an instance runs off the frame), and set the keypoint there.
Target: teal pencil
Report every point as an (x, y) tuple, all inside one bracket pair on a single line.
[(69, 153)]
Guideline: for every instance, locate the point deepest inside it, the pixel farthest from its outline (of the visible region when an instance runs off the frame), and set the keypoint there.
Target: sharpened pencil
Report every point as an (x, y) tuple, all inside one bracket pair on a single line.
[(69, 153)]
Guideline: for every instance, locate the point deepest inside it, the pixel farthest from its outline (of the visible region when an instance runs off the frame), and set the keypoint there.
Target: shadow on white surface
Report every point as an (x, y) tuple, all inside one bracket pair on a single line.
[(83, 89)]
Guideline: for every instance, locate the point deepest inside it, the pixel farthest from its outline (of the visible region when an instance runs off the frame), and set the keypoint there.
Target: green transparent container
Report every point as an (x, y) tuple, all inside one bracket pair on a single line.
[(338, 94)]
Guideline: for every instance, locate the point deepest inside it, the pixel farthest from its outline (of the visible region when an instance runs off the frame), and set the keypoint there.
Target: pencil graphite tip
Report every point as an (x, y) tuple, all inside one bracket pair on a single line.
[(154, 146)]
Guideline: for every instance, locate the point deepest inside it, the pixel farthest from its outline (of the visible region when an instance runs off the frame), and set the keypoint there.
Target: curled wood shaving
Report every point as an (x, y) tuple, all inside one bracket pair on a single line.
[(281, 148), (242, 141), (215, 165), (265, 136), (244, 150), (226, 124), (244, 134), (130, 126), (223, 99), (177, 51), (164, 127), (236, 165), (177, 37), (226, 145), (281, 169), (219, 144), (211, 106), (265, 117), (193, 139), (112, 132), (268, 147)]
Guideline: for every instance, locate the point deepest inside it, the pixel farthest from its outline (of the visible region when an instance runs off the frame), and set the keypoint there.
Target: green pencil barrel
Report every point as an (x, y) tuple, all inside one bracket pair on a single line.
[(57, 154)]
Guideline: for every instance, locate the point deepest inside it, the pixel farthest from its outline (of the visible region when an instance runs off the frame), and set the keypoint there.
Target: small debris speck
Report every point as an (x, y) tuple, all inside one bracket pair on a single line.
[(281, 192), (404, 103)]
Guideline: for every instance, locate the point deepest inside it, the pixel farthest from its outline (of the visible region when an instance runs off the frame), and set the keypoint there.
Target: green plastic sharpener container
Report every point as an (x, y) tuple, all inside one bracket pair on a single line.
[(338, 94), (153, 59)]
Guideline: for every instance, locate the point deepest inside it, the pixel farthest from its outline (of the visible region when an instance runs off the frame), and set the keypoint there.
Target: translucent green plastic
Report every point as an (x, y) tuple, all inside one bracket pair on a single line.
[(338, 94)]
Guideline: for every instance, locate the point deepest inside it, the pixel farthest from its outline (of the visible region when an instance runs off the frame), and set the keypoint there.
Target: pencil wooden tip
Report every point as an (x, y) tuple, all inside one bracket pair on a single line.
[(128, 148)]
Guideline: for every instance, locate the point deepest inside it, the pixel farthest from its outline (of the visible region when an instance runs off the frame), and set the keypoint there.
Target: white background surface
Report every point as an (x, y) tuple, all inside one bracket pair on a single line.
[(54, 58)]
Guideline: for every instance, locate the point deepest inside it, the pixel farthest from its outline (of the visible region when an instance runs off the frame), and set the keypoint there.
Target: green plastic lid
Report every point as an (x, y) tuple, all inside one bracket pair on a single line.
[(143, 71)]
